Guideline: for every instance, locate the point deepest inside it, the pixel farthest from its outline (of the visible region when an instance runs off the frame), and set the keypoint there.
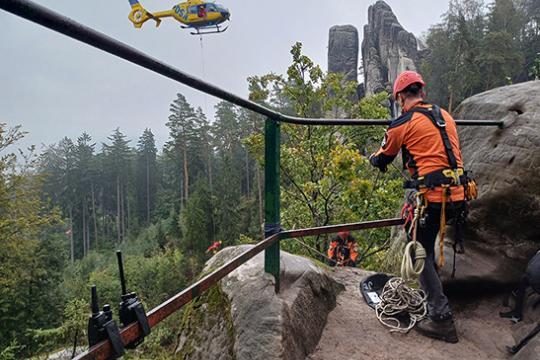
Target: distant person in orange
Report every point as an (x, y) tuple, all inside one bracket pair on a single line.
[(427, 137), (343, 250)]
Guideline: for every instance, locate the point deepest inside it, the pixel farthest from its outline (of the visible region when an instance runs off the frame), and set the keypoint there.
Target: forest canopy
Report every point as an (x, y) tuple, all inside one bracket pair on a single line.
[(480, 45)]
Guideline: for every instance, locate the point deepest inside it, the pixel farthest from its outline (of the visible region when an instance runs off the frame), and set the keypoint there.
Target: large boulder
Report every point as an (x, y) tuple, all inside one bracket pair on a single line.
[(504, 227), (343, 51), (243, 317), (387, 49)]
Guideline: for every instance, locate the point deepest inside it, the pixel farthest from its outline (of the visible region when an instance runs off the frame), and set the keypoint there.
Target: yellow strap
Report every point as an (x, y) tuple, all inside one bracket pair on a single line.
[(442, 229)]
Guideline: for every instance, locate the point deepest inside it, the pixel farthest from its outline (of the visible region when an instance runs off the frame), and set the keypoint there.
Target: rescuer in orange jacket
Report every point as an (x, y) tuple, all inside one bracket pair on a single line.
[(427, 137), (343, 250)]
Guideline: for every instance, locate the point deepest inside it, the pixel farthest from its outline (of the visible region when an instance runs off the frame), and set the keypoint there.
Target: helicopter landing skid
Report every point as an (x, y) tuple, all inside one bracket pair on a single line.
[(217, 31)]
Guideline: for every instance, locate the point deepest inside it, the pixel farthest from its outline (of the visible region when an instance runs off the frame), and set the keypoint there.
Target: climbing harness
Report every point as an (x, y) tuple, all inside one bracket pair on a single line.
[(445, 179), (399, 302)]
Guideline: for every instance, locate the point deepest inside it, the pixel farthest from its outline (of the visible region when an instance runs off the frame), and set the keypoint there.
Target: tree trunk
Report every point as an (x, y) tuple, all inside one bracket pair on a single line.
[(118, 211), (248, 192), (211, 185), (147, 190), (181, 193), (94, 216), (128, 210), (186, 174), (210, 176), (71, 247), (84, 228), (122, 212)]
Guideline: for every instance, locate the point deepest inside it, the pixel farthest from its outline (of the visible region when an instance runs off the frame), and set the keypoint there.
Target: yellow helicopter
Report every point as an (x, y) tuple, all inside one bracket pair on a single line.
[(202, 16)]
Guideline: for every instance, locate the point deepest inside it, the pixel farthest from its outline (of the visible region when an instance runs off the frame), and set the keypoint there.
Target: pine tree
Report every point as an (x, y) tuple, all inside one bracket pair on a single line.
[(84, 151), (118, 162), (146, 176), (501, 60), (182, 128)]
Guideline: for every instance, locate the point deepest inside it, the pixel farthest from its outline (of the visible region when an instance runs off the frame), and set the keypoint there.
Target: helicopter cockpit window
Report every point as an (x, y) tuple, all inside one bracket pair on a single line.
[(193, 9), (211, 7), (220, 8)]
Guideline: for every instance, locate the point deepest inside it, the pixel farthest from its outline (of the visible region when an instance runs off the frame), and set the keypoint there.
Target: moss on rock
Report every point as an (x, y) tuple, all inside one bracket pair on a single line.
[(207, 317)]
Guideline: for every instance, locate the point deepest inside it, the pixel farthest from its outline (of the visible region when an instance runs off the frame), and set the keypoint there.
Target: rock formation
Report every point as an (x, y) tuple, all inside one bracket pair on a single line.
[(387, 49), (244, 319), (343, 51), (504, 226)]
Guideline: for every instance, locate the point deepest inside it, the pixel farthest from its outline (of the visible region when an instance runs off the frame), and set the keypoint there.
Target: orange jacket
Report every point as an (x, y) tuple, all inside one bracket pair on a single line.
[(335, 251), (415, 134)]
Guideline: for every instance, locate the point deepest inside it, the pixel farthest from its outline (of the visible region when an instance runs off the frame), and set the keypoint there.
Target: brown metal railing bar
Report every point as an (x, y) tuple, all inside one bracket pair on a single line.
[(131, 332), (343, 227)]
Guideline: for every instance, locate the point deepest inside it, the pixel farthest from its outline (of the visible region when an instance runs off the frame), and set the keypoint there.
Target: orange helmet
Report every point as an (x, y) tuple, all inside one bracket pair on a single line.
[(405, 79)]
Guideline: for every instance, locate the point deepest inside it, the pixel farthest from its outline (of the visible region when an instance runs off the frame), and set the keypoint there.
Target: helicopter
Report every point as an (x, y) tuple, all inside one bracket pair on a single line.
[(202, 16)]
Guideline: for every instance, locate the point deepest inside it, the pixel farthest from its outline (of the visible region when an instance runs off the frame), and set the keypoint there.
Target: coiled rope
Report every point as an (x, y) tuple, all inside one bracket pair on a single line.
[(410, 270), (397, 299)]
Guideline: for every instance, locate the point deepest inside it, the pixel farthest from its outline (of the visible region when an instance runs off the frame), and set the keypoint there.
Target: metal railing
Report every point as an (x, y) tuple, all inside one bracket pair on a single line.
[(57, 22)]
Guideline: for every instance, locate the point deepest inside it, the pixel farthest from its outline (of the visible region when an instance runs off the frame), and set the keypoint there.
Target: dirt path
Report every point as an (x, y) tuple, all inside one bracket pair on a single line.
[(353, 332)]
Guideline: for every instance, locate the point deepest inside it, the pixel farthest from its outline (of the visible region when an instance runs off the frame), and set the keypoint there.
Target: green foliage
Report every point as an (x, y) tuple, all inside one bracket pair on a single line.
[(478, 47), (29, 275), (326, 179), (535, 68), (10, 351), (72, 332)]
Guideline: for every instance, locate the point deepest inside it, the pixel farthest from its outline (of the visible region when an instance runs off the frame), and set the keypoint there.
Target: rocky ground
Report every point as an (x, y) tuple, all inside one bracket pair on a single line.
[(353, 331)]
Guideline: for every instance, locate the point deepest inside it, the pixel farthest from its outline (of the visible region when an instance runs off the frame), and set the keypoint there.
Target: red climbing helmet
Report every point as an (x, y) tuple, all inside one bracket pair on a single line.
[(405, 79)]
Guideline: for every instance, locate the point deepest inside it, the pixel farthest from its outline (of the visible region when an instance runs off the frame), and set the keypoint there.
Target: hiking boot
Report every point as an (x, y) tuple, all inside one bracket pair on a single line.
[(441, 330)]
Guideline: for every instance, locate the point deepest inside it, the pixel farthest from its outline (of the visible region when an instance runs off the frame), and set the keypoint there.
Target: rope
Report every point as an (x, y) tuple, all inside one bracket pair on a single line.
[(203, 73), (314, 250), (411, 270), (397, 299)]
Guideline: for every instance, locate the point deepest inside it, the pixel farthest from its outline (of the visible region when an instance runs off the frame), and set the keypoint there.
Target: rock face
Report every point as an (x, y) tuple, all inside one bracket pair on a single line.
[(504, 226), (243, 318), (343, 51), (387, 49)]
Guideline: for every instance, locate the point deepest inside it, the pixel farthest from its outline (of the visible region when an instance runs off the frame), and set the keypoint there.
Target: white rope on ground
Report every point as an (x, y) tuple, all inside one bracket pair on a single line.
[(397, 298)]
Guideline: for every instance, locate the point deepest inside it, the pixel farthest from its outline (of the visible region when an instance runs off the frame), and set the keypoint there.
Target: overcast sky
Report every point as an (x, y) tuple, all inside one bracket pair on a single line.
[(54, 86)]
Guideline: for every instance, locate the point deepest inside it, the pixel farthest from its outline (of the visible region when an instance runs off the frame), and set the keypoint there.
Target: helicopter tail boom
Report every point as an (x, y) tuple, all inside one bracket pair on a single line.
[(139, 15)]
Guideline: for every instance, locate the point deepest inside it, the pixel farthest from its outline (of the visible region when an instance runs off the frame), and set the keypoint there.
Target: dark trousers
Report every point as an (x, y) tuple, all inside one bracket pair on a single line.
[(438, 307)]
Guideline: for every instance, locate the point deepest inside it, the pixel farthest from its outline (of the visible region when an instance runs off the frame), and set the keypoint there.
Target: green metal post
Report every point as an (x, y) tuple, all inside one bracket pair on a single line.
[(271, 195)]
